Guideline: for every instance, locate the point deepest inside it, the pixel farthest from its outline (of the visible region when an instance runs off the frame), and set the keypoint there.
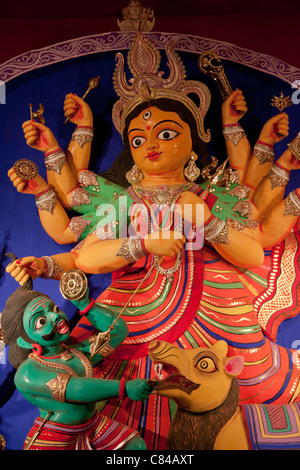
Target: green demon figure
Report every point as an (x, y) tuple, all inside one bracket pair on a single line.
[(57, 376)]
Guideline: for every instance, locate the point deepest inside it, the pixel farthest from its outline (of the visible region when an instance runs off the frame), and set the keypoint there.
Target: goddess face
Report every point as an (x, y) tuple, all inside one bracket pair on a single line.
[(160, 141), (44, 323)]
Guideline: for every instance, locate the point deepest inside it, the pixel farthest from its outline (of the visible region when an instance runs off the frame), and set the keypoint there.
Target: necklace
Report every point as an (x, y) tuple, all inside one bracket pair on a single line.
[(65, 356), (161, 194), (56, 365)]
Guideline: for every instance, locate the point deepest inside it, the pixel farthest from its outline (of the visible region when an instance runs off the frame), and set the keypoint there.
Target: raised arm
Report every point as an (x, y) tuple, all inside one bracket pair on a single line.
[(63, 168), (238, 147), (59, 175), (78, 153), (274, 130), (252, 164)]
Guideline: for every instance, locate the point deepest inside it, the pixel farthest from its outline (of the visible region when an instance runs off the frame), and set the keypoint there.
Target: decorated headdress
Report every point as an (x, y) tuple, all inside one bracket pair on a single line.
[(148, 83)]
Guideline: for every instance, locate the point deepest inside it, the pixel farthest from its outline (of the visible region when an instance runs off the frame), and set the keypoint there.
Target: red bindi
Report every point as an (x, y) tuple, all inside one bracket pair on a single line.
[(148, 128)]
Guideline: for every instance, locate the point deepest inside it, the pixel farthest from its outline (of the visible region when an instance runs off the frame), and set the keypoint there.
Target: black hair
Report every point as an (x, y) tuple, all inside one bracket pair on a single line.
[(124, 162), (12, 323)]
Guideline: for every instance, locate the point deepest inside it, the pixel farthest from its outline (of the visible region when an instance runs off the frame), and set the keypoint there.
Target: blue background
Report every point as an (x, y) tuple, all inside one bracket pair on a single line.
[(20, 230)]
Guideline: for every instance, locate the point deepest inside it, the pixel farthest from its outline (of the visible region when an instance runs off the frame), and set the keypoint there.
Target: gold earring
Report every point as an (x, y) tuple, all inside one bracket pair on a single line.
[(134, 175), (191, 171)]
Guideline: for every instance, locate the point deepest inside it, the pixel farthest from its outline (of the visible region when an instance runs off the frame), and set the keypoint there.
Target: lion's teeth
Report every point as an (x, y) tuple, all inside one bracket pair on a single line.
[(158, 369)]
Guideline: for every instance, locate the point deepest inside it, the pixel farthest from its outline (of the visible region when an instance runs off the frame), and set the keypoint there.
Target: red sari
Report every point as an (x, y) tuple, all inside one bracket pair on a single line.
[(205, 299)]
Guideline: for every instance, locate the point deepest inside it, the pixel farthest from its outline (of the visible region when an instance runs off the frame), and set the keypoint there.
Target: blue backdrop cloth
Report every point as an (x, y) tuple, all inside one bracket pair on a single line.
[(21, 231)]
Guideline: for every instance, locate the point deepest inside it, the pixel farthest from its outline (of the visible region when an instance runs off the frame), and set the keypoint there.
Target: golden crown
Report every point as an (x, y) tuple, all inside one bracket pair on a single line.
[(148, 83)]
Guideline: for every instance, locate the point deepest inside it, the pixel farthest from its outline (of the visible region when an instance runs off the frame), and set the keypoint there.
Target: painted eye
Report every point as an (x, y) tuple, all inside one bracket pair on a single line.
[(206, 364), (137, 142), (167, 134), (55, 309), (40, 323)]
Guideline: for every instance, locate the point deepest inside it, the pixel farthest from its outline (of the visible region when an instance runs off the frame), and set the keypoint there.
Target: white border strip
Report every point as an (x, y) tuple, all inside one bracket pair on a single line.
[(119, 40)]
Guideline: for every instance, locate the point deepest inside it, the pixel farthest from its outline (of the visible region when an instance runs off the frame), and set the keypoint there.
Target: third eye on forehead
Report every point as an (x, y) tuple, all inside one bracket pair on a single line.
[(147, 115)]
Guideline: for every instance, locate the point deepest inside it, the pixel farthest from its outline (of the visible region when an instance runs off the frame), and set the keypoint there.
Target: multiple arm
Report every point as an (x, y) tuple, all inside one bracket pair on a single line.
[(274, 130), (251, 168), (62, 169), (100, 256), (265, 179)]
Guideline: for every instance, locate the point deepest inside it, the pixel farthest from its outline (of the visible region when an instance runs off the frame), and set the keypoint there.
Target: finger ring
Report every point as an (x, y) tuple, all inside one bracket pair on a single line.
[(25, 169)]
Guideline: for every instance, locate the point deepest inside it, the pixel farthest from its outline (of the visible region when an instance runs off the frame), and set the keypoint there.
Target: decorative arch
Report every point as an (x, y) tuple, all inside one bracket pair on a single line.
[(46, 75)]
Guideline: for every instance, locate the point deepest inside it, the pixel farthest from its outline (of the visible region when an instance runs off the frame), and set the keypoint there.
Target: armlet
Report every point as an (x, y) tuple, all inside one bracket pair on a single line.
[(58, 386)]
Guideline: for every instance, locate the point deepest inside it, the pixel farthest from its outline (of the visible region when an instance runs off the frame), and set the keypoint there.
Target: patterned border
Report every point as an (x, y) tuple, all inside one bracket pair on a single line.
[(280, 300), (114, 41)]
